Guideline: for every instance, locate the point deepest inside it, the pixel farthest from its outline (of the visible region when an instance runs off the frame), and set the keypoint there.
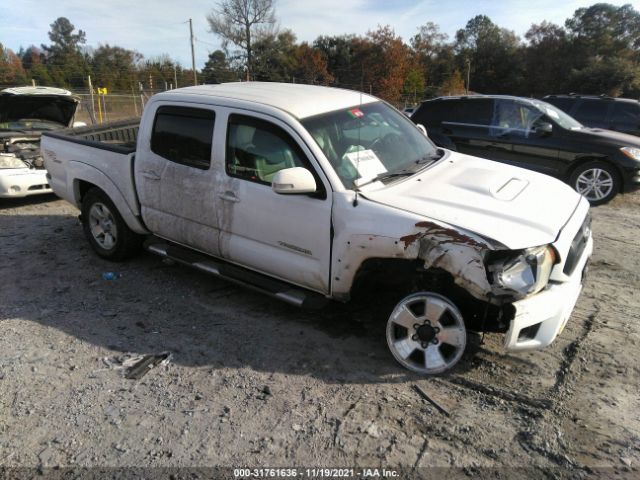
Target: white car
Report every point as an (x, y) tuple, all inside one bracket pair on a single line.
[(310, 193), (26, 112)]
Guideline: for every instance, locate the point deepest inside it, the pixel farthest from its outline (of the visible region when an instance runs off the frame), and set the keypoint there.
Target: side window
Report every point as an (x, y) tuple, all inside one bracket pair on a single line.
[(257, 150), (592, 112), (183, 135), (514, 118), (474, 111), (432, 114), (626, 116), (562, 103)]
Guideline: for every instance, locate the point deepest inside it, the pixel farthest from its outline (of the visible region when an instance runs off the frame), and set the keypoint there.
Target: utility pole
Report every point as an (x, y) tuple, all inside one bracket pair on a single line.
[(193, 55), (468, 74), (175, 76)]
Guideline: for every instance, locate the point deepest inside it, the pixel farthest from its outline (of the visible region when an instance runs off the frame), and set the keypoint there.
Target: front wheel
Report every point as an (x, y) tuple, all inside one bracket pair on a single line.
[(104, 228), (426, 333), (597, 181)]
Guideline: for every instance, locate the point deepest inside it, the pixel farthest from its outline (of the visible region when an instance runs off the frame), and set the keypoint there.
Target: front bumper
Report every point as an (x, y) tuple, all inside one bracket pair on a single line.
[(17, 183), (632, 181), (539, 319)]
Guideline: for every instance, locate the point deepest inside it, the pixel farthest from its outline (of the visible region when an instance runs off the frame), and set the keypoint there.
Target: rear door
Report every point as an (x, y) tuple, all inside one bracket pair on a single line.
[(466, 123), (285, 236), (175, 178)]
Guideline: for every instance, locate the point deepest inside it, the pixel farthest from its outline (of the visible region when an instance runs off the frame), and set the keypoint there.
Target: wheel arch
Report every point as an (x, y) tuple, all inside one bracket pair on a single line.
[(594, 158), (87, 177), (397, 277)]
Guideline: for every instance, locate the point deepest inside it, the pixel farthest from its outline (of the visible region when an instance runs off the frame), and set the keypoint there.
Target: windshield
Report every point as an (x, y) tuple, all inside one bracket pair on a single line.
[(368, 141), (557, 115), (25, 124)]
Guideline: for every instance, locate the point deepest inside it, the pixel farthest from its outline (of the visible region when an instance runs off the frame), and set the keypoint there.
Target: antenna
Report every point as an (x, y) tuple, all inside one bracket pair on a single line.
[(355, 199)]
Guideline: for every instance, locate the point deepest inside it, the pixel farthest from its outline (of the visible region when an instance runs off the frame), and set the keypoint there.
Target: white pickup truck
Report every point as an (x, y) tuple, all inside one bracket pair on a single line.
[(310, 193)]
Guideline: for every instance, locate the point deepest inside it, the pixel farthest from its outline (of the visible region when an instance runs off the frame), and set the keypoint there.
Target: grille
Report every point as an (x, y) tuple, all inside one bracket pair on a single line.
[(577, 246)]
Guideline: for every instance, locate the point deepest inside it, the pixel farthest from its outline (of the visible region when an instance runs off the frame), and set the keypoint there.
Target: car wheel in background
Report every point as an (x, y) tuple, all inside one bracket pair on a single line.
[(597, 181)]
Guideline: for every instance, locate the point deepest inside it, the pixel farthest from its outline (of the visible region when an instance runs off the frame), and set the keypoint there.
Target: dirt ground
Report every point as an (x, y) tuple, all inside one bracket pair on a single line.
[(254, 382)]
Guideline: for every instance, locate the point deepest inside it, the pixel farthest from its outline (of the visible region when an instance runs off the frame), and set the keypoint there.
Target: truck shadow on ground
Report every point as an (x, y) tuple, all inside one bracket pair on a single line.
[(152, 307)]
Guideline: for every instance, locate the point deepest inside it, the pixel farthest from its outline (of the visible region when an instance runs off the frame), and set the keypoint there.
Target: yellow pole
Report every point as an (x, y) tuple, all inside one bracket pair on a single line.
[(99, 106)]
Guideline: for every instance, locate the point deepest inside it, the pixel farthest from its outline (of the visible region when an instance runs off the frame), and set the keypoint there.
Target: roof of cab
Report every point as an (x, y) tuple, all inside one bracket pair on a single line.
[(299, 100)]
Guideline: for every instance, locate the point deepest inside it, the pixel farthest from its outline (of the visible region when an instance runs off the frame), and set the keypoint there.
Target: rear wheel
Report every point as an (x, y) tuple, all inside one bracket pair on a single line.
[(426, 333), (597, 181), (106, 231)]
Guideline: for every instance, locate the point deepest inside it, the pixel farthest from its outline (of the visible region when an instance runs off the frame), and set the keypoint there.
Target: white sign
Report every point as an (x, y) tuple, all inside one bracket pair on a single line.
[(367, 163)]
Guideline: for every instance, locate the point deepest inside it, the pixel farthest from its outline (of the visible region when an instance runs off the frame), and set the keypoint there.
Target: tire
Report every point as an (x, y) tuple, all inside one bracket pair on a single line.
[(426, 333), (106, 231), (597, 181)]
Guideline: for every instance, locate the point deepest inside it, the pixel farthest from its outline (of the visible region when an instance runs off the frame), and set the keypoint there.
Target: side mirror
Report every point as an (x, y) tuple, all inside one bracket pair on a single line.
[(542, 129), (293, 180), (78, 124), (422, 129)]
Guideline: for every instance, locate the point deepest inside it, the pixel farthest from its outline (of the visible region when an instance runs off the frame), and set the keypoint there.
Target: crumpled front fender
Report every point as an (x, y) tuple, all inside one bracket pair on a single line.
[(457, 253)]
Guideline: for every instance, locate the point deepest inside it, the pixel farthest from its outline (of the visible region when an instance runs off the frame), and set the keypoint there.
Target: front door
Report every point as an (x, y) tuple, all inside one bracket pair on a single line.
[(286, 236), (515, 138)]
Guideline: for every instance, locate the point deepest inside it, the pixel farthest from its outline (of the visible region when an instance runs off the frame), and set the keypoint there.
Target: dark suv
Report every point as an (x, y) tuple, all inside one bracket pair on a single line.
[(535, 135), (620, 114)]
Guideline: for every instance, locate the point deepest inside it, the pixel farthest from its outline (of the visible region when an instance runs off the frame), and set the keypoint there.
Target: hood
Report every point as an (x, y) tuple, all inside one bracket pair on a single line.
[(607, 137), (58, 108), (513, 206)]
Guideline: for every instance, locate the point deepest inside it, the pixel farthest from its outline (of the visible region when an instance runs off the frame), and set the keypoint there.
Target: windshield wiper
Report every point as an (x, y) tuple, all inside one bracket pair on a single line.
[(387, 176), (431, 158), (423, 162)]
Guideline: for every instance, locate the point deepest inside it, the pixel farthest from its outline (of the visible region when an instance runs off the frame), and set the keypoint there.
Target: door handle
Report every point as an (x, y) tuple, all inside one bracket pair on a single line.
[(150, 175), (229, 196)]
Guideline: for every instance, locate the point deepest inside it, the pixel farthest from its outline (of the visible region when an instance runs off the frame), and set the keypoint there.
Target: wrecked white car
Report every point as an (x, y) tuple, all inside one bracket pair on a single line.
[(310, 193), (26, 112)]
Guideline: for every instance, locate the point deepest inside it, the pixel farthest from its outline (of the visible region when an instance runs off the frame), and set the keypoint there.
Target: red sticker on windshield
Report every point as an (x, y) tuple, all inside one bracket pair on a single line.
[(356, 113)]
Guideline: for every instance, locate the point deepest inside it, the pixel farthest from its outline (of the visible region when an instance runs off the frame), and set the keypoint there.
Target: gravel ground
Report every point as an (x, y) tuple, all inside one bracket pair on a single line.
[(255, 382)]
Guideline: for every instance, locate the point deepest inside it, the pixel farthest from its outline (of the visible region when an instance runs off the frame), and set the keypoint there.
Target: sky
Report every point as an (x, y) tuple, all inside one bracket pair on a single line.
[(157, 27)]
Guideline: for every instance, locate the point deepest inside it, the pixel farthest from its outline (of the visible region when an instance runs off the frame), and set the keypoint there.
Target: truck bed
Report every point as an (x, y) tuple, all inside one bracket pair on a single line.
[(101, 156), (120, 136)]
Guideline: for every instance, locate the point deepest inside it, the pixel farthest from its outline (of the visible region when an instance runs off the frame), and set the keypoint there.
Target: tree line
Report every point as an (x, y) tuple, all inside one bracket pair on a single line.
[(67, 62), (595, 51)]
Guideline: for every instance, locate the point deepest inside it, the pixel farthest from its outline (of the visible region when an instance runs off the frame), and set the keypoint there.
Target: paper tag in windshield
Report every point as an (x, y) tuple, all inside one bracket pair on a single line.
[(366, 163)]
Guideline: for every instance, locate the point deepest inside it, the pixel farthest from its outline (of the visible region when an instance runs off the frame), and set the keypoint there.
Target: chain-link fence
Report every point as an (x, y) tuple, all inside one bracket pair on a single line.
[(97, 108)]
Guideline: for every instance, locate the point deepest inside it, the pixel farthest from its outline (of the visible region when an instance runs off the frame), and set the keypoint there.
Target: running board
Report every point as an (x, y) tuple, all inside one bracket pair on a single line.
[(238, 275)]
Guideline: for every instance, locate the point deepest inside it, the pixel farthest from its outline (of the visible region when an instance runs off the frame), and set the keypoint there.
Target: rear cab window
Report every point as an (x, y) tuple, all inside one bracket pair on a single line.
[(183, 135)]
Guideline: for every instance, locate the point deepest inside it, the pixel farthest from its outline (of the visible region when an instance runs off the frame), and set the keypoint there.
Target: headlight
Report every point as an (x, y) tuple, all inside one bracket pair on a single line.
[(525, 274), (631, 152)]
